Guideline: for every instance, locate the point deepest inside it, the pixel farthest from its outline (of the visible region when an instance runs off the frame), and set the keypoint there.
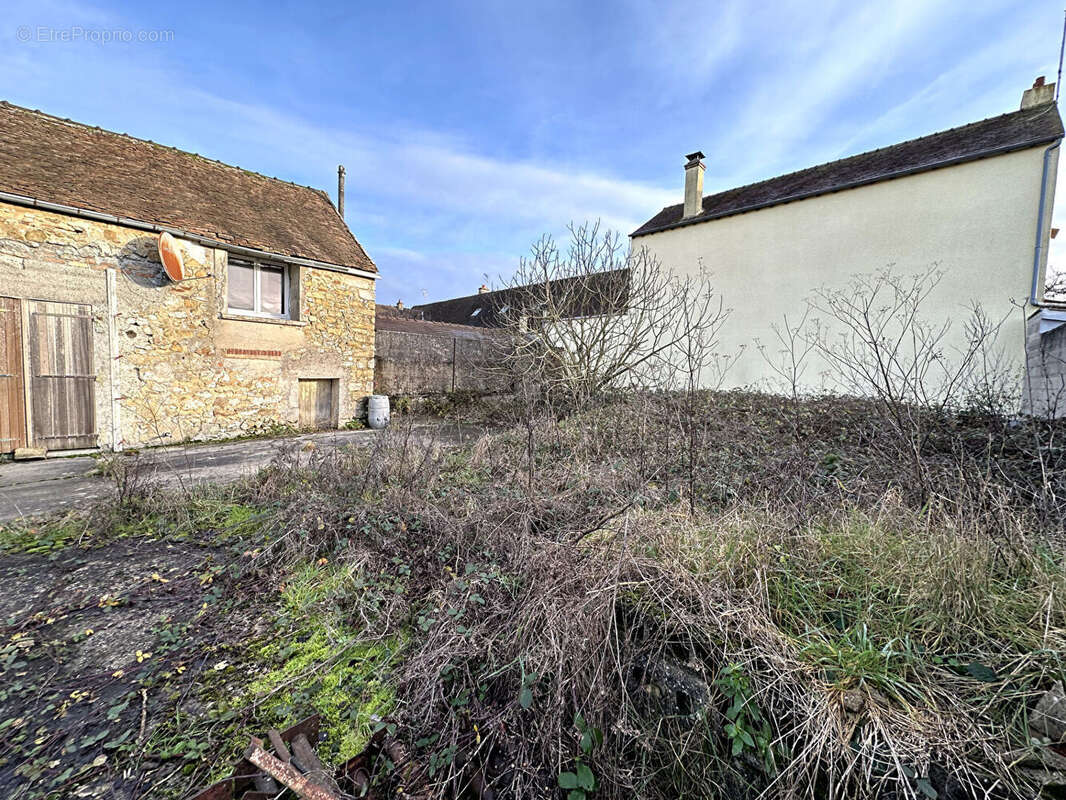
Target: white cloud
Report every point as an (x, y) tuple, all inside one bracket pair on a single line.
[(437, 211), (420, 169), (688, 43), (983, 84), (434, 217), (419, 201), (830, 56), (424, 276)]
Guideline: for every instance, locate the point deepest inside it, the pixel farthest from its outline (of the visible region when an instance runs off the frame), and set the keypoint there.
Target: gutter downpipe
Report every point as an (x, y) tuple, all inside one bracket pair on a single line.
[(1034, 292), (95, 216)]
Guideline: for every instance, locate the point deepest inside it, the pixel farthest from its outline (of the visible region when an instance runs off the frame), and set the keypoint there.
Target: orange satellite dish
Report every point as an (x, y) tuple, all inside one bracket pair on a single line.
[(170, 255)]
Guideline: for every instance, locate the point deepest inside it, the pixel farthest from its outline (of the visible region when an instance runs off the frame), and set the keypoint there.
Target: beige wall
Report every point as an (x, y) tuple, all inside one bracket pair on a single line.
[(178, 376), (976, 220)]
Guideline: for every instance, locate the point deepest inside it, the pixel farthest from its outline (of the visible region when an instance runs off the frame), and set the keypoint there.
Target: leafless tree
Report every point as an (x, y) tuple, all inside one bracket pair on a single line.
[(599, 317), (692, 365), (1055, 284)]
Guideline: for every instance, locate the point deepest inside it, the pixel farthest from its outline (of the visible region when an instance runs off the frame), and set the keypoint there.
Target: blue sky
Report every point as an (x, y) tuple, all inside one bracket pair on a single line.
[(468, 129)]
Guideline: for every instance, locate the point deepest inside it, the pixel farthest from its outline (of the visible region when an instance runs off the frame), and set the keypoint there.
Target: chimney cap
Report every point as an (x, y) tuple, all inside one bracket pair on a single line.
[(399, 305), (695, 157), (483, 289), (1039, 95)]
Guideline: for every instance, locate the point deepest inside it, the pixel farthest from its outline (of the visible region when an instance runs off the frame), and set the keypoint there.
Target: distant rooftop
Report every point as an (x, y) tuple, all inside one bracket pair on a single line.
[(391, 318), (488, 309)]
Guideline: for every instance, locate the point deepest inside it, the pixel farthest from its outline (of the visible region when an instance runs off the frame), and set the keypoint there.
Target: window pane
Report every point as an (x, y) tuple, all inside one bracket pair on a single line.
[(271, 290), (241, 291)]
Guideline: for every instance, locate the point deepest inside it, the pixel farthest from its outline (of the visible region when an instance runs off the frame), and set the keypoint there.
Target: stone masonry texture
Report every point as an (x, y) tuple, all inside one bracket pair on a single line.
[(424, 364), (187, 369), (1044, 392)]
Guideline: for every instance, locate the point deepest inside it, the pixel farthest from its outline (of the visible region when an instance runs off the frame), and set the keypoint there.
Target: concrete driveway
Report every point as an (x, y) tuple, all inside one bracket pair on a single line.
[(32, 488)]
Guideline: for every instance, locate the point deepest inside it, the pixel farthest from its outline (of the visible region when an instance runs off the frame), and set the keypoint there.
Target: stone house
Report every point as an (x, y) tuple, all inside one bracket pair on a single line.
[(270, 325), (975, 201)]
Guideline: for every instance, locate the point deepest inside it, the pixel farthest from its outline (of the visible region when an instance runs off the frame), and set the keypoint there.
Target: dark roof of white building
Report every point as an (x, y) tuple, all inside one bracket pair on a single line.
[(1006, 133)]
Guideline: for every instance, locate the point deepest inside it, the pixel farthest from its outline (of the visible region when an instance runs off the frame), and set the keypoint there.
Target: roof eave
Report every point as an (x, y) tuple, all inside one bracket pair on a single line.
[(126, 222), (709, 217)]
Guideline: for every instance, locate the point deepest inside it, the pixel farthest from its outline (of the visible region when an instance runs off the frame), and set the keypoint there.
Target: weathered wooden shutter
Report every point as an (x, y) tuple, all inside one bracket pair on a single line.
[(12, 383), (62, 377)]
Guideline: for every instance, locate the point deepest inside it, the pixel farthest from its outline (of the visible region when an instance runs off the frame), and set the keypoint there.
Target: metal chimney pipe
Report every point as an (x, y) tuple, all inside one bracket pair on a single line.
[(340, 190)]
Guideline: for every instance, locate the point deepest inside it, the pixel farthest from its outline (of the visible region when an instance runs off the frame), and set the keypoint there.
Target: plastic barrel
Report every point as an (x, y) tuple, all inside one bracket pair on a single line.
[(377, 411)]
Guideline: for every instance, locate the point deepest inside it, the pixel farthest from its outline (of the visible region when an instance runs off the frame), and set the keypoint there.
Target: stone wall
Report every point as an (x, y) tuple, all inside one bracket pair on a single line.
[(420, 364), (187, 369), (45, 256), (1044, 391)]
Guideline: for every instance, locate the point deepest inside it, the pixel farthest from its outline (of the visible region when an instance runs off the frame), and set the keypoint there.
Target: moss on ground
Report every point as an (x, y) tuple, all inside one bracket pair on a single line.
[(213, 521), (330, 673), (33, 538), (318, 664), (205, 675), (481, 599)]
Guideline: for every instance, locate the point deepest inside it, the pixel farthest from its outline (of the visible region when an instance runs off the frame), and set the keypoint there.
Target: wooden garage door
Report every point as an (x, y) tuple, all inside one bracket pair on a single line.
[(12, 386), (318, 403), (62, 378)]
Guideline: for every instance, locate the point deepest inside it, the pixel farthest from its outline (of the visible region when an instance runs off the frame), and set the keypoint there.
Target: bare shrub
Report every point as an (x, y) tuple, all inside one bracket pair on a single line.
[(789, 359), (879, 343), (727, 651), (599, 316), (672, 594), (782, 621)]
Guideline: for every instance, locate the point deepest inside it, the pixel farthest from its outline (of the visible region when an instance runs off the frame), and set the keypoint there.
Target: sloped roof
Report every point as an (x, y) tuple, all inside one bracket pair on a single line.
[(390, 318), (58, 161), (487, 310), (1017, 130)]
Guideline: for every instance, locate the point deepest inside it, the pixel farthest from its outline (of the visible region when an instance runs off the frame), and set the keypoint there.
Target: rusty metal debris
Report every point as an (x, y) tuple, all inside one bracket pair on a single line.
[(285, 772), (294, 765)]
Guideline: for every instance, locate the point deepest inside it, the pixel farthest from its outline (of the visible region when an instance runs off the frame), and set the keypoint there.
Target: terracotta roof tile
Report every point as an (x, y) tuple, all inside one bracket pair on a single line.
[(59, 161)]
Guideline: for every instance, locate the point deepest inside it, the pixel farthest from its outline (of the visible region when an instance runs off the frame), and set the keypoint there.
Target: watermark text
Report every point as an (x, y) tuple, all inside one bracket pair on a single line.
[(76, 34)]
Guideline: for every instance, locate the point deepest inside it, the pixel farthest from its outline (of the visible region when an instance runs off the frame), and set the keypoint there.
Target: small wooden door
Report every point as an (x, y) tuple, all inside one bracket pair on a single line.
[(12, 383), (62, 377), (318, 403)]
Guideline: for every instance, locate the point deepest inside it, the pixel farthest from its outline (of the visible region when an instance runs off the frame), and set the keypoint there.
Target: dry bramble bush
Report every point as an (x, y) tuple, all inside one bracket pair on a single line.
[(660, 592)]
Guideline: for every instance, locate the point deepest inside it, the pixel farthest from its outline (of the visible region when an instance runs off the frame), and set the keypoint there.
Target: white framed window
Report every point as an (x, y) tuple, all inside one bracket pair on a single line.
[(258, 289)]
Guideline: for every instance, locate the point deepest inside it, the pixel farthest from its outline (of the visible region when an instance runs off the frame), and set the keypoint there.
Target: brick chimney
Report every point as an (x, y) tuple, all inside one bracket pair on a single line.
[(483, 289), (1040, 94), (694, 184)]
